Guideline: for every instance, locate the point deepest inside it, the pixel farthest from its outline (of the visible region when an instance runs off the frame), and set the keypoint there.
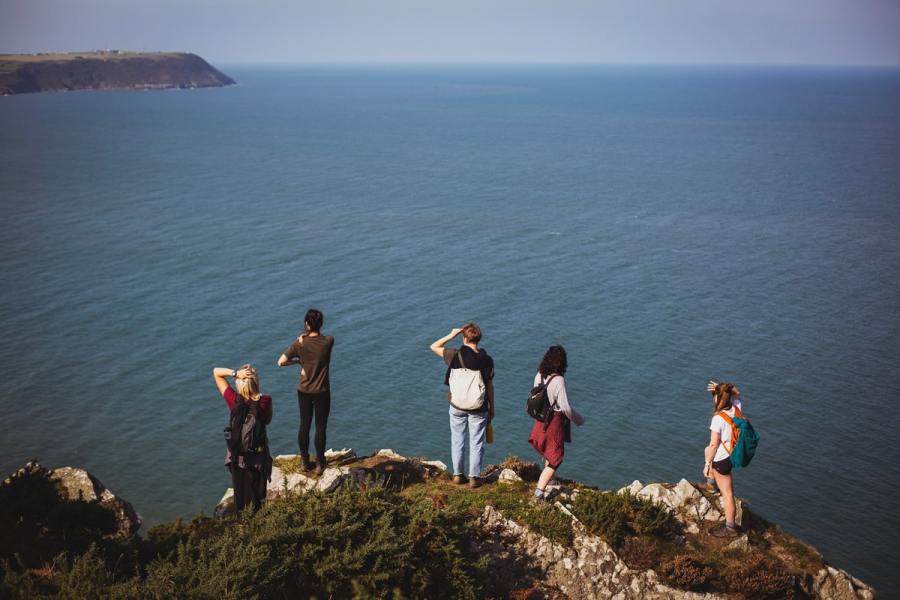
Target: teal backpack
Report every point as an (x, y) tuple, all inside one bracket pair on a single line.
[(744, 439)]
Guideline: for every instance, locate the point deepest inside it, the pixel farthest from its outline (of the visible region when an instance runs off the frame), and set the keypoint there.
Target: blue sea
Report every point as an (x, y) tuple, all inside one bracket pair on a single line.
[(667, 225)]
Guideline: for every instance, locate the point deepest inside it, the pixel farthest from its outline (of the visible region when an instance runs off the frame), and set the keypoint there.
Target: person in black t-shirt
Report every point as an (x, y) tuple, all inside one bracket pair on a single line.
[(470, 375)]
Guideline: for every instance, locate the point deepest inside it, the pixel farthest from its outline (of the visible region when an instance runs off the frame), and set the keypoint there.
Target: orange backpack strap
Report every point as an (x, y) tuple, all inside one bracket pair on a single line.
[(734, 431)]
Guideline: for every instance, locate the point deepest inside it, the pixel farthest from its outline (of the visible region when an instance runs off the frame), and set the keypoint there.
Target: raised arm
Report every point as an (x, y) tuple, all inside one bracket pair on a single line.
[(220, 373), (438, 346), (284, 359)]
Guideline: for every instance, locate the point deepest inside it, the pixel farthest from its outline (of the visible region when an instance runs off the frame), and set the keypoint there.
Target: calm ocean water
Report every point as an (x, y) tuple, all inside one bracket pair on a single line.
[(667, 225)]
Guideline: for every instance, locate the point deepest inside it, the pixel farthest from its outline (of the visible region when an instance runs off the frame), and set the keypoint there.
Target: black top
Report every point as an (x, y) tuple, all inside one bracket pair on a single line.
[(473, 360)]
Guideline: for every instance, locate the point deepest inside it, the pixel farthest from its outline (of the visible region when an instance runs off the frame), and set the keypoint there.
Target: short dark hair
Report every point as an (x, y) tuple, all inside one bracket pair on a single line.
[(314, 319), (554, 361), (472, 332)]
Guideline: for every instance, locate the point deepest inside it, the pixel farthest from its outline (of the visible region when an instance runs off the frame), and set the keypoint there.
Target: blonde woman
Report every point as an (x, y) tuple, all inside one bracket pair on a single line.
[(247, 447), (727, 399)]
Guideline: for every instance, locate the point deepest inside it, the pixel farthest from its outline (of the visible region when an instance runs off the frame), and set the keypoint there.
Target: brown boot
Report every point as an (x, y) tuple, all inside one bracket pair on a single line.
[(473, 482), (306, 464), (320, 468)]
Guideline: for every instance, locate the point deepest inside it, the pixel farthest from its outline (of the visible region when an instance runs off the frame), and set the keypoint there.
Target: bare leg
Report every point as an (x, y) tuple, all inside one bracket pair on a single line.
[(725, 488), (546, 475)]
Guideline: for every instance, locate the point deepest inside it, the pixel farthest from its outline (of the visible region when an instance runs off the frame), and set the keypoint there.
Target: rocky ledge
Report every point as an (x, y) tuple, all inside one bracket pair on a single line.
[(27, 73), (585, 565), (384, 524)]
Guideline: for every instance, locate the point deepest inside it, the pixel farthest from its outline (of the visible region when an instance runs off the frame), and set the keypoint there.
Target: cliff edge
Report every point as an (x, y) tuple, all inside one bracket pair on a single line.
[(385, 525), (106, 70)]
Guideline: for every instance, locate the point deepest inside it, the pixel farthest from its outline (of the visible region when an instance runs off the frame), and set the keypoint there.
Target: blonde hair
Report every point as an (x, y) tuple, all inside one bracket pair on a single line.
[(722, 396), (248, 387)]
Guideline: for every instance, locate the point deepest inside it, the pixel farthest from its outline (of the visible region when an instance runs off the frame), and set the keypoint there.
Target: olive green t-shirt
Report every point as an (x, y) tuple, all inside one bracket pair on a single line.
[(314, 354)]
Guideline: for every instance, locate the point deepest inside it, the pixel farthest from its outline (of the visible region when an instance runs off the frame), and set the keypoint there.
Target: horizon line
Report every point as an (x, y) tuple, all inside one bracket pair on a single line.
[(350, 63)]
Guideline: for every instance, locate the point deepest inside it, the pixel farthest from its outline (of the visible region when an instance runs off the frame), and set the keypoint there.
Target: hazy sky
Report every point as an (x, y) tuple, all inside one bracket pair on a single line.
[(657, 31)]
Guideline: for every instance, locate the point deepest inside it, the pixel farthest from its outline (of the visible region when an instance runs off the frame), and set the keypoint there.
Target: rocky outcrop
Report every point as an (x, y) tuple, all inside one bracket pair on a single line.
[(588, 568), (78, 484), (43, 494), (384, 468), (22, 74)]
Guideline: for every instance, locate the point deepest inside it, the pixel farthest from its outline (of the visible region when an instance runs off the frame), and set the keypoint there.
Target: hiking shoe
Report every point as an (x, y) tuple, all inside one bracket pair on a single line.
[(723, 531), (459, 479), (473, 482), (705, 486), (307, 465), (320, 468)]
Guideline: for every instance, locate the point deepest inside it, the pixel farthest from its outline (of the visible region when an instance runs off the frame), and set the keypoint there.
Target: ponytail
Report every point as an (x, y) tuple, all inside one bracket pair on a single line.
[(723, 396)]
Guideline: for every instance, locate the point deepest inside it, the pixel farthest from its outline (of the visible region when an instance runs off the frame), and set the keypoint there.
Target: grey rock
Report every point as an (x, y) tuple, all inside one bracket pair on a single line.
[(835, 584), (78, 484), (508, 476), (742, 543), (331, 479)]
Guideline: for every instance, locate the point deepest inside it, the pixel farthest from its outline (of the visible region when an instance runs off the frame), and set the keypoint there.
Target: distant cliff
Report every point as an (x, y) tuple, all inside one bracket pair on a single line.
[(107, 70)]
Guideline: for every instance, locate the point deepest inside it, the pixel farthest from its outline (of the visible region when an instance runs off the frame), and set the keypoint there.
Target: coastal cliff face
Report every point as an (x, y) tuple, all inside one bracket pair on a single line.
[(385, 525), (22, 74)]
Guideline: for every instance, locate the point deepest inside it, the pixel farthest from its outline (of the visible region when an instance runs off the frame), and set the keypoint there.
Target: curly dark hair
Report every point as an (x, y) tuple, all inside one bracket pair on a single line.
[(554, 361)]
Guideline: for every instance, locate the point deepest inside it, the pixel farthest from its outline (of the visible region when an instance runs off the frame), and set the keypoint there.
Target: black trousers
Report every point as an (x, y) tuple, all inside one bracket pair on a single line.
[(249, 487), (318, 405)]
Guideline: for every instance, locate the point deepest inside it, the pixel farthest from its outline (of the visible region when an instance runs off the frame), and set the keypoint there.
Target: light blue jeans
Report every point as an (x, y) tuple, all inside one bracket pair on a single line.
[(476, 423)]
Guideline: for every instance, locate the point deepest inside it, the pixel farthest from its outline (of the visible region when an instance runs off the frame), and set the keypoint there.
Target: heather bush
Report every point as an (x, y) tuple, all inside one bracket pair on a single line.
[(615, 516), (758, 576), (686, 572)]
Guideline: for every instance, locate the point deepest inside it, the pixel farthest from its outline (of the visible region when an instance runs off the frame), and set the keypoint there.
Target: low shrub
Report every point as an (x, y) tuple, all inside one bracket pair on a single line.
[(756, 575), (685, 572), (513, 501), (615, 516), (351, 544), (640, 552)]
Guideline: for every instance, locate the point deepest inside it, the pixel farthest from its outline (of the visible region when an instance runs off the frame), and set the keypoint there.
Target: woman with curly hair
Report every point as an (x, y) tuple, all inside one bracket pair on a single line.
[(550, 441)]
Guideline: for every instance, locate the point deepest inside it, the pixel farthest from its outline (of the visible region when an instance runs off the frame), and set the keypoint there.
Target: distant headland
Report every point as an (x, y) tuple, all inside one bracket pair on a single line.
[(106, 70)]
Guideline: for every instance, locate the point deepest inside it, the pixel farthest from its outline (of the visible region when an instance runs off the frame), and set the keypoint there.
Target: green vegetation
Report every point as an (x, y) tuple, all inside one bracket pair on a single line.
[(410, 534), (615, 517), (512, 500), (362, 544)]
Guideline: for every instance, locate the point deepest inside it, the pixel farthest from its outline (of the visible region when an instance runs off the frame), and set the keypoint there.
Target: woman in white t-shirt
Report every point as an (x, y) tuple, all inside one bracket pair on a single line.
[(727, 399)]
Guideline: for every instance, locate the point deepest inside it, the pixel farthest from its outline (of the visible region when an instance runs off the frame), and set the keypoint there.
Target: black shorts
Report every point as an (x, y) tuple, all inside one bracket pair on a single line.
[(723, 467)]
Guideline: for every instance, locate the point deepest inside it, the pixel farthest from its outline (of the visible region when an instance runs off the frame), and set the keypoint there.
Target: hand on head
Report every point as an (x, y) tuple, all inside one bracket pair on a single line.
[(244, 372)]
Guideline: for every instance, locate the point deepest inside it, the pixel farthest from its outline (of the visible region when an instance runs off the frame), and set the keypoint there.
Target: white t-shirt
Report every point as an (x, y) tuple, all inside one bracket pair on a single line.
[(721, 425), (559, 400)]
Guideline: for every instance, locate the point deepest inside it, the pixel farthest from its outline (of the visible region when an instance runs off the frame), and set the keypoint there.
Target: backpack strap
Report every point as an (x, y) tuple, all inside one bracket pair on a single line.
[(546, 385), (459, 356), (730, 421)]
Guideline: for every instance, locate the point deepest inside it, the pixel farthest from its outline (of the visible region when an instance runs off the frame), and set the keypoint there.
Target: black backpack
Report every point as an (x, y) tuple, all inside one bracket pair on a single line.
[(246, 432), (538, 404)]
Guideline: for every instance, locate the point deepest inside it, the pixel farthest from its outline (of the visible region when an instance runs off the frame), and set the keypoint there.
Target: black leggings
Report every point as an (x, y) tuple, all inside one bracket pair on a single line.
[(249, 487), (320, 404)]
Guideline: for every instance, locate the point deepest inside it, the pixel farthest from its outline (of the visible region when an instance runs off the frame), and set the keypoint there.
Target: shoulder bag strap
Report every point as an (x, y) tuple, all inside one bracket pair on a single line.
[(459, 355)]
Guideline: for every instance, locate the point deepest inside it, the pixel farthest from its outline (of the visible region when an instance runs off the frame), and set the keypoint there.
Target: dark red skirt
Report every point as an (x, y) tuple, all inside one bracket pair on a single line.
[(551, 443)]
